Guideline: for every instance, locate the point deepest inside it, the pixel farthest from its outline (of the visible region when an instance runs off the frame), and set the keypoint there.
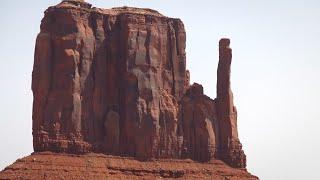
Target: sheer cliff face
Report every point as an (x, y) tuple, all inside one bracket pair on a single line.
[(115, 81)]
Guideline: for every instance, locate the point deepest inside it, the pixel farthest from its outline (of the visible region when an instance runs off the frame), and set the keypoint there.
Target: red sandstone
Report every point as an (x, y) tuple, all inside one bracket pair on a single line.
[(114, 81), (47, 165)]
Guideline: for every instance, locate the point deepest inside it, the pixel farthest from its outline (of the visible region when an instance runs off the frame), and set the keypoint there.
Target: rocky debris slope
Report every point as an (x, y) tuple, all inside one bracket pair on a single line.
[(48, 165), (114, 81)]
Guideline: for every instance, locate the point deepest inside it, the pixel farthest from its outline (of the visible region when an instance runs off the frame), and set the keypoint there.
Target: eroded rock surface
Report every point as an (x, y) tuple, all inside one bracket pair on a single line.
[(230, 148), (114, 81), (47, 165)]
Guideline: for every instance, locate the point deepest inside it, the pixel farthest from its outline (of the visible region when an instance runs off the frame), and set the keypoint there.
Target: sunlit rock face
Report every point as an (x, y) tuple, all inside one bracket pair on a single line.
[(114, 81)]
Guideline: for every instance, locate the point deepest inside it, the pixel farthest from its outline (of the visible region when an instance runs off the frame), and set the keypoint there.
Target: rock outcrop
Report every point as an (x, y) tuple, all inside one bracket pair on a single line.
[(52, 166), (230, 149), (114, 81), (106, 78)]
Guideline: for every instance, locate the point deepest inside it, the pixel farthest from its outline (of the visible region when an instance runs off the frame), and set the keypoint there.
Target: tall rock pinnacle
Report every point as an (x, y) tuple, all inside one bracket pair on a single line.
[(231, 148), (114, 81), (226, 109)]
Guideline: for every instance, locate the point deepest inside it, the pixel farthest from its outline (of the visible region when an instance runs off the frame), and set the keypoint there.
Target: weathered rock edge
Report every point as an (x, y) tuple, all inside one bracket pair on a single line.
[(46, 165)]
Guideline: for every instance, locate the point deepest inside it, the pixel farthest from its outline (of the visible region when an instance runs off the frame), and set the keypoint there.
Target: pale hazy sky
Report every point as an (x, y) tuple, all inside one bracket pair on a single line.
[(275, 74)]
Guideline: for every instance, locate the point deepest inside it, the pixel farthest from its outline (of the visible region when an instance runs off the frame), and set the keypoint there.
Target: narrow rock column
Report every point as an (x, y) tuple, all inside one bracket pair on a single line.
[(230, 146), (226, 110)]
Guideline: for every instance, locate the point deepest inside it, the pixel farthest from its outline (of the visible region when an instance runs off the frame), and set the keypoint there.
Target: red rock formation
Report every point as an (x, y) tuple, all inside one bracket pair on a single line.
[(108, 81), (46, 165), (230, 147), (114, 81), (199, 125)]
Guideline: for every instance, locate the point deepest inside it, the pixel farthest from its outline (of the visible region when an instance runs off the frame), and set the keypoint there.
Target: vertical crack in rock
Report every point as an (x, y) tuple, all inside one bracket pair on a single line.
[(114, 81)]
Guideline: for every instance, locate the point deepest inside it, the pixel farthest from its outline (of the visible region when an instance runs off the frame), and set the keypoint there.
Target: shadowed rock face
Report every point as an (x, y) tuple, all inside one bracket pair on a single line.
[(114, 81)]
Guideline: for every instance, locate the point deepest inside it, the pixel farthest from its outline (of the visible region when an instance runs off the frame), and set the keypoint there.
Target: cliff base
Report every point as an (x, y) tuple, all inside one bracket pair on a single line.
[(47, 165)]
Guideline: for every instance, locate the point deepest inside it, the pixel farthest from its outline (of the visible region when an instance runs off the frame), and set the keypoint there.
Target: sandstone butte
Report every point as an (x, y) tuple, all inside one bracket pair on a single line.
[(112, 100)]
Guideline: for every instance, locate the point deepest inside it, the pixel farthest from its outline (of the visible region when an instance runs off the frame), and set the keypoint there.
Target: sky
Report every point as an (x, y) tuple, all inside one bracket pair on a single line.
[(275, 74)]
